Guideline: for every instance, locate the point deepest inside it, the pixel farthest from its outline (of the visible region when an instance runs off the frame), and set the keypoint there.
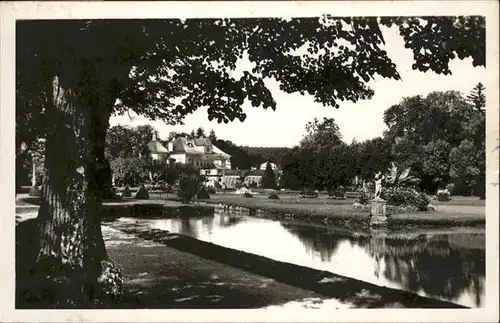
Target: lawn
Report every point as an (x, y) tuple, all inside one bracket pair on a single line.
[(160, 277), (246, 274), (460, 211), (157, 276)]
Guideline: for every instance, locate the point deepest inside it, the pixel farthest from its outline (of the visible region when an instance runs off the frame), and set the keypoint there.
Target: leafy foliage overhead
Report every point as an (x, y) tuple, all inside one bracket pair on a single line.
[(169, 68), (435, 41)]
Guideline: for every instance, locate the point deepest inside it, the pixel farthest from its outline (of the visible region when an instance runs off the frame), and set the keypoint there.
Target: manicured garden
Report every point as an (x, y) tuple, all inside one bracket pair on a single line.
[(466, 212)]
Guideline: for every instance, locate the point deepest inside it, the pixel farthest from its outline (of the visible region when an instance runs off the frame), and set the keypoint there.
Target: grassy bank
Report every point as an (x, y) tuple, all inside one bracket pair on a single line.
[(130, 207), (341, 211), (157, 276), (461, 211), (154, 208), (350, 291)]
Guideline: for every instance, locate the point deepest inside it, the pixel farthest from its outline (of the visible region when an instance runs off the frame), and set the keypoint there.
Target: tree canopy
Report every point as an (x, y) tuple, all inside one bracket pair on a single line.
[(322, 135), (425, 131), (128, 142), (440, 137), (169, 68)]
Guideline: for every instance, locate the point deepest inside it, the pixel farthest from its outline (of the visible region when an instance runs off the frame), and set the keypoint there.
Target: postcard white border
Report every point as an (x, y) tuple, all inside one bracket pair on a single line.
[(11, 11)]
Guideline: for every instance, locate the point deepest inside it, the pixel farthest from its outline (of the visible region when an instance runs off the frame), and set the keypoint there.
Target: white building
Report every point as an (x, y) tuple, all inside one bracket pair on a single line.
[(198, 152)]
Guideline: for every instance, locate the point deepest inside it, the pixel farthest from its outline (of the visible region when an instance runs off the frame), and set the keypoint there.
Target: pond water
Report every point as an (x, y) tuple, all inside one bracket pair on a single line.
[(442, 264)]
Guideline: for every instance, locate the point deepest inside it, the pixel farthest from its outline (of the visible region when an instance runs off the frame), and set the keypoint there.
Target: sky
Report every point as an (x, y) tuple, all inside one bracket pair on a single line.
[(362, 120)]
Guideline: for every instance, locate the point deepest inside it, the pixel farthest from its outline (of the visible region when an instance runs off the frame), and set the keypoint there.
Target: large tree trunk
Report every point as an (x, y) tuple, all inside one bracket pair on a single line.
[(71, 242)]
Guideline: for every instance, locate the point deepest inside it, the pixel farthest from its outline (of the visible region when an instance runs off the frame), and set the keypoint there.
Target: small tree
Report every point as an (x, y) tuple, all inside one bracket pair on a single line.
[(212, 136), (126, 192), (203, 194), (142, 193), (269, 178), (397, 176), (477, 97), (200, 132), (189, 185)]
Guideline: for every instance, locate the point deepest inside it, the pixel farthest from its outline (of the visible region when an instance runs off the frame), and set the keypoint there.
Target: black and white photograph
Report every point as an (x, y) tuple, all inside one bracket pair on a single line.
[(249, 161)]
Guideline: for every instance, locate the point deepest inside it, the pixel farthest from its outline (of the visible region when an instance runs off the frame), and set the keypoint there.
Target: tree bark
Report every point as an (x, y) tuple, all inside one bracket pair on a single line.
[(71, 242)]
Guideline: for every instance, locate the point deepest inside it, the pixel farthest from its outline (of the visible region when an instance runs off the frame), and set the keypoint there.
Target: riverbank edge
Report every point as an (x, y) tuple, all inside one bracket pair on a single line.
[(155, 209), (347, 217), (342, 215), (345, 289)]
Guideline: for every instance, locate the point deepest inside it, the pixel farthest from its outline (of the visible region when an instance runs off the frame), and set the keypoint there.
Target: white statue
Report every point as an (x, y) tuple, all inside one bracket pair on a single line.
[(378, 185)]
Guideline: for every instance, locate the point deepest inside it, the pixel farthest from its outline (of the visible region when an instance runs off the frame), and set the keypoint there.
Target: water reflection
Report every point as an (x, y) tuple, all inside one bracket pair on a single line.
[(316, 242), (444, 265), (449, 266), (433, 266)]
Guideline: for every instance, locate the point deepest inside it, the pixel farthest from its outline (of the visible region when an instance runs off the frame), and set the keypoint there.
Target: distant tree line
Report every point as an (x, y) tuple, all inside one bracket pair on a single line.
[(440, 136)]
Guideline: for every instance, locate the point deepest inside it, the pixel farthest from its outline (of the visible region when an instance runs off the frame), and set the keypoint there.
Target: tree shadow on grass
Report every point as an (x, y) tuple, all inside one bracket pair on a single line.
[(153, 279), (173, 292)]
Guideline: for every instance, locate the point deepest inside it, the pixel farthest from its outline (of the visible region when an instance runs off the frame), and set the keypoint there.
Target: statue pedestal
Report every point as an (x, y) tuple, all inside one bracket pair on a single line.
[(378, 212)]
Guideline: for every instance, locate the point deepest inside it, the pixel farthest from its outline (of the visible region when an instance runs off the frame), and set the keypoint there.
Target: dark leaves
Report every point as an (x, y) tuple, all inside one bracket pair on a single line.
[(180, 66)]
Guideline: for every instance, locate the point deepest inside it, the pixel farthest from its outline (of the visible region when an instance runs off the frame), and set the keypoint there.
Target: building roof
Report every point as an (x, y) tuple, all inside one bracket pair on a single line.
[(200, 141), (155, 147), (197, 147)]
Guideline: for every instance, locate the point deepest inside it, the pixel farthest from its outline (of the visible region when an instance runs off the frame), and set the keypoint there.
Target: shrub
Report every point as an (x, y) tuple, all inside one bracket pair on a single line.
[(168, 189), (111, 280), (308, 193), (443, 195), (203, 194), (273, 196), (269, 177), (338, 193), (142, 193), (35, 191), (247, 195), (189, 185), (450, 188), (402, 196), (364, 196), (217, 185), (126, 192), (211, 190), (108, 192)]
